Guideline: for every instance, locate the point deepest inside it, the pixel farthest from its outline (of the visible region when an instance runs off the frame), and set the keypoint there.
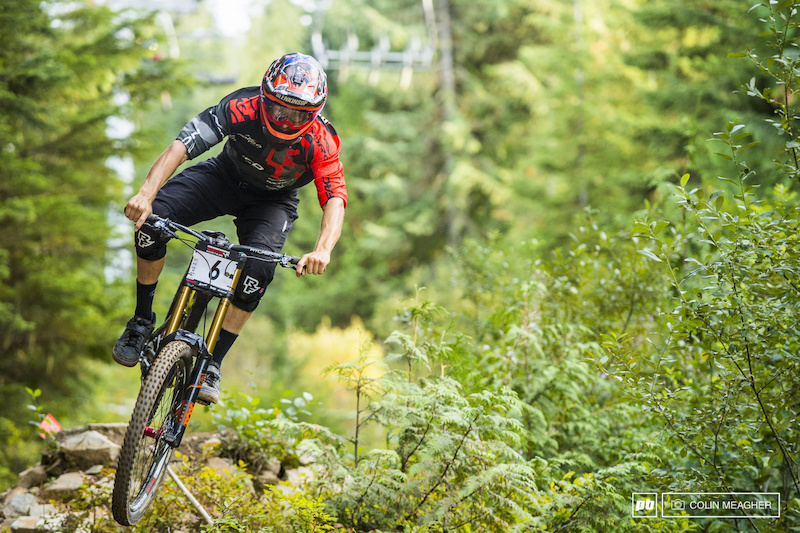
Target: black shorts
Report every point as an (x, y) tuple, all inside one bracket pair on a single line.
[(208, 190)]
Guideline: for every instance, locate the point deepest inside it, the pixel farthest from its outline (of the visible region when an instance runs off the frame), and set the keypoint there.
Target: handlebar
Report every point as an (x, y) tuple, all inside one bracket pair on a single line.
[(167, 229), (284, 260)]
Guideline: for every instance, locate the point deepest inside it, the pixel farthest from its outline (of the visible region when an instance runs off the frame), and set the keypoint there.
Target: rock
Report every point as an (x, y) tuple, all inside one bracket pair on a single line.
[(13, 493), (32, 477), (89, 448), (274, 466), (26, 524), (65, 487), (212, 442), (296, 478), (269, 475), (33, 505), (96, 470), (36, 524), (196, 444), (19, 505), (114, 432), (264, 479), (221, 466), (226, 469), (43, 510)]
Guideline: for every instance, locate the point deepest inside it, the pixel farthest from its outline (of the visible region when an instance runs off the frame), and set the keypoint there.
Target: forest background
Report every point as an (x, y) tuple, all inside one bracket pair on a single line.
[(570, 245)]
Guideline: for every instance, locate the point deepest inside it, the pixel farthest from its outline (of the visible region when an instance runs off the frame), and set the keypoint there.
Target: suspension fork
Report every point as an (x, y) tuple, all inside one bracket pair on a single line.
[(170, 326), (178, 307), (222, 310), (203, 350)]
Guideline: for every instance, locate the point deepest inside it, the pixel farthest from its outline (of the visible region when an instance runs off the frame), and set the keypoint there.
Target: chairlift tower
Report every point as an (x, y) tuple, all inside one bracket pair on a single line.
[(416, 56)]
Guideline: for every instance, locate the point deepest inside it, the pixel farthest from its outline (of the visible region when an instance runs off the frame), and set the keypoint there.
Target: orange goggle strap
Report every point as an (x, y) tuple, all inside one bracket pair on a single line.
[(287, 136)]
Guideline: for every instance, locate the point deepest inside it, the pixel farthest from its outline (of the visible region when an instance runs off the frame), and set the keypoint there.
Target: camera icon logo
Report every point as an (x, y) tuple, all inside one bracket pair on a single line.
[(678, 505)]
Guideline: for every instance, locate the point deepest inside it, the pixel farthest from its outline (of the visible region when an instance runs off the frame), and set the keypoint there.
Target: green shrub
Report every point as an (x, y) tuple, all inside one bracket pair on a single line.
[(717, 370)]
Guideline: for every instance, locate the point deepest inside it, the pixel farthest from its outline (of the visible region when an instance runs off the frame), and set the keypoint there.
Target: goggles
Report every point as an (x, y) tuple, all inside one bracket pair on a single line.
[(285, 117)]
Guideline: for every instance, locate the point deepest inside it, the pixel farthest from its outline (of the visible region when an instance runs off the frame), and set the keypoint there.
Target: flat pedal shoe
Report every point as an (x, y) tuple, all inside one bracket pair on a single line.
[(131, 342)]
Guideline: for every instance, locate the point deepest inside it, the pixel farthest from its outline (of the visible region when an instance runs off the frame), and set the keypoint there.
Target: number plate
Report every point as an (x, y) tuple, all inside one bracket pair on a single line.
[(211, 269)]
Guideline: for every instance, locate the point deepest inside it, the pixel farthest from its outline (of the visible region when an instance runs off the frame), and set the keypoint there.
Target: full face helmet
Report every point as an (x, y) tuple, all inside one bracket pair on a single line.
[(293, 93)]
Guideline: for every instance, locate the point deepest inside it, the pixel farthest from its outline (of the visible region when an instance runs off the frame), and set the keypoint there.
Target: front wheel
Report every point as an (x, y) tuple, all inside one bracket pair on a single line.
[(145, 454)]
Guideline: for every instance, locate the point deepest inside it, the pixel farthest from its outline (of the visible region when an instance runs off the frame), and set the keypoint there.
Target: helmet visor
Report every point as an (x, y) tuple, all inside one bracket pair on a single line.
[(285, 118)]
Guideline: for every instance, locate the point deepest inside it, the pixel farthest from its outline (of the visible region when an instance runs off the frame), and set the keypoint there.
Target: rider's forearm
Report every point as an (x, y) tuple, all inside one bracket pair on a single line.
[(332, 222), (163, 168)]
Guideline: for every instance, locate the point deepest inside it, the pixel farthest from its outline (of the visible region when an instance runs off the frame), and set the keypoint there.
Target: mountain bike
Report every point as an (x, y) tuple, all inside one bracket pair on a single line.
[(174, 361)]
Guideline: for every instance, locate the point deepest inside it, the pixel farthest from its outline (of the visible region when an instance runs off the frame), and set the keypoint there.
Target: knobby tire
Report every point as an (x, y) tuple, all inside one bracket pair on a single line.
[(144, 458)]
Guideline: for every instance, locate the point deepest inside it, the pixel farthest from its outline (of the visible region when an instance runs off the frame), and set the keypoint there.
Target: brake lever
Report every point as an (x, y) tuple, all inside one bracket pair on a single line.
[(288, 261), (163, 230)]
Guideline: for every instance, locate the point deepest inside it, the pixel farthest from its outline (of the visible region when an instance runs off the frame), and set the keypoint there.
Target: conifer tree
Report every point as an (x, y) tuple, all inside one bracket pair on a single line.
[(65, 69)]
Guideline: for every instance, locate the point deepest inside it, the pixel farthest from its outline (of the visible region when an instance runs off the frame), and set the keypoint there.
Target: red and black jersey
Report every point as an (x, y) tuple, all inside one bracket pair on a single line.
[(313, 157)]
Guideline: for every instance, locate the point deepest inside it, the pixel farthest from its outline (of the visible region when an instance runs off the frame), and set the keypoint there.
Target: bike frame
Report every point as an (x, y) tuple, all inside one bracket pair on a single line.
[(201, 347)]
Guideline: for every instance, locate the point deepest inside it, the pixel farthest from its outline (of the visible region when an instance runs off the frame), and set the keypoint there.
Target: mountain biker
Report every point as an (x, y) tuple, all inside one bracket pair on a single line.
[(277, 142)]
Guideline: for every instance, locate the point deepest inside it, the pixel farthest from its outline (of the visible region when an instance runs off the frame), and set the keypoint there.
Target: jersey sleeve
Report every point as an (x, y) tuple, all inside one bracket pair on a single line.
[(202, 132), (327, 169)]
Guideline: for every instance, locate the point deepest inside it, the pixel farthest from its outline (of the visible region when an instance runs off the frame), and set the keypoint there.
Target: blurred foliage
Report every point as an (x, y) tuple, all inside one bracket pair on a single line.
[(66, 71), (559, 106)]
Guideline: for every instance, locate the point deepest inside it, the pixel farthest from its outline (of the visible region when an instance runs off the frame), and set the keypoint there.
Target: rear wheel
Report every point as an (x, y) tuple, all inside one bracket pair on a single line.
[(145, 453)]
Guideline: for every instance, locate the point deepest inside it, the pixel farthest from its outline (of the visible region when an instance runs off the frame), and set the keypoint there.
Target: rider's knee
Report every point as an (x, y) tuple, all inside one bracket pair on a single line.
[(149, 244), (254, 280)]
